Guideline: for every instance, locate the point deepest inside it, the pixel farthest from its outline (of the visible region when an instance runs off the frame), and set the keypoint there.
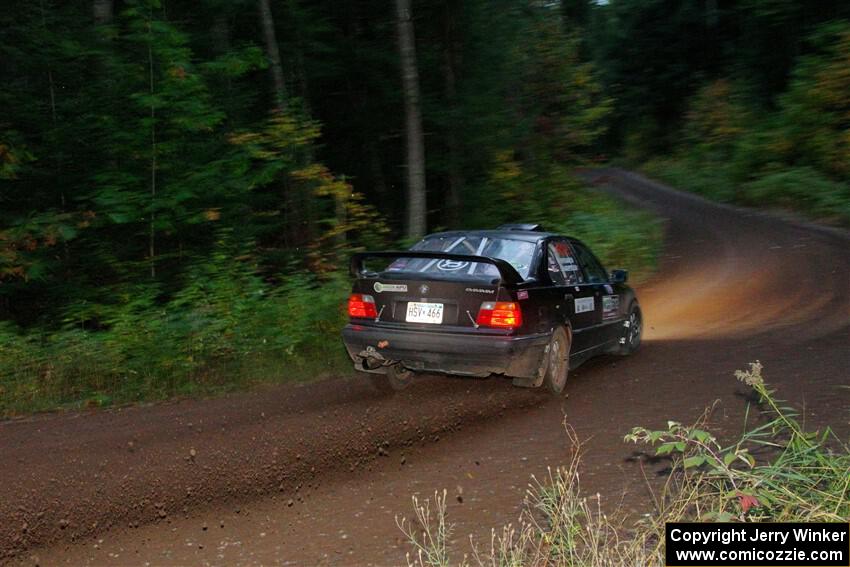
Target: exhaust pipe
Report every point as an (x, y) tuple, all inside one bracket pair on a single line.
[(370, 359)]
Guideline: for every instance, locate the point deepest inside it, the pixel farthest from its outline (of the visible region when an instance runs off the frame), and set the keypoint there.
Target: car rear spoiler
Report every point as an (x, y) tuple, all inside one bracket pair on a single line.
[(507, 272)]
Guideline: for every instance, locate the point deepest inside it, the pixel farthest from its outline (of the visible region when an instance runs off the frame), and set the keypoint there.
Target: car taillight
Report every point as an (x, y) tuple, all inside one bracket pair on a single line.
[(362, 306), (505, 314)]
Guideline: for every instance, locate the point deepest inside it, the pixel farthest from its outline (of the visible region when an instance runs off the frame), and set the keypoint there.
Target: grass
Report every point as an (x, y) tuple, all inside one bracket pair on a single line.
[(620, 236), (48, 384), (235, 333), (801, 190), (553, 196), (775, 472)]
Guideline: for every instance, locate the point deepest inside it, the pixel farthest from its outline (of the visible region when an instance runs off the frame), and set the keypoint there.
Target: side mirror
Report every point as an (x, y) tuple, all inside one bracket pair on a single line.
[(619, 276)]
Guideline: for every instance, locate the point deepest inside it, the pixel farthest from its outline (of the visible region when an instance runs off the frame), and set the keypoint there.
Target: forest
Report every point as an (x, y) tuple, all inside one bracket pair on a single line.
[(181, 183)]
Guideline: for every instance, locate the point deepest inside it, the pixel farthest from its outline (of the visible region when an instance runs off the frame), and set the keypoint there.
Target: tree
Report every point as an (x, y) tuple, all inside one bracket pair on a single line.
[(450, 69), (815, 110), (416, 197), (273, 54), (102, 11)]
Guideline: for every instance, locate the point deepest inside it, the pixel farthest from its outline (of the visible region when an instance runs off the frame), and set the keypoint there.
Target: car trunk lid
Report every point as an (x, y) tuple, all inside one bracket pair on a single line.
[(428, 303)]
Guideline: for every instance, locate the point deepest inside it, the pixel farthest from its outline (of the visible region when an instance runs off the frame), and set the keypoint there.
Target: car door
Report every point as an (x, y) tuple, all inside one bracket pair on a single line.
[(607, 300), (584, 309)]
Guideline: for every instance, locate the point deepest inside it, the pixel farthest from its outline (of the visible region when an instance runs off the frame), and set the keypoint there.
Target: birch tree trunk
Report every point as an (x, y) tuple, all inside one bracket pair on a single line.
[(416, 199), (273, 54)]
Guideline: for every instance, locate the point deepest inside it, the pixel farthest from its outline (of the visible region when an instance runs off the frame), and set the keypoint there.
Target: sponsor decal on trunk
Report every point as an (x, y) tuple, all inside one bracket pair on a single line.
[(379, 287), (585, 304), (479, 290)]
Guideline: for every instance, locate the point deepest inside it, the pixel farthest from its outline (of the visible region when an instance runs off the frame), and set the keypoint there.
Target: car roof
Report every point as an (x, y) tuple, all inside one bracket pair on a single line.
[(526, 235)]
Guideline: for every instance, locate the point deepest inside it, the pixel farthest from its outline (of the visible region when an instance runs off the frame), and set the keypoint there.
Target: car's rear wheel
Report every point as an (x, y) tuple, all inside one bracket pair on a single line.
[(396, 378), (632, 331), (557, 361)]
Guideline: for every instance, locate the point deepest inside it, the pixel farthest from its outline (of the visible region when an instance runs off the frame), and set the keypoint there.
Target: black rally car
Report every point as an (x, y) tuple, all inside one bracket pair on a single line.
[(515, 301)]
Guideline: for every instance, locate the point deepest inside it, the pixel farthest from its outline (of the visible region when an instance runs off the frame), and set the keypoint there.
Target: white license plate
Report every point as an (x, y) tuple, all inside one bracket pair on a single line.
[(424, 312)]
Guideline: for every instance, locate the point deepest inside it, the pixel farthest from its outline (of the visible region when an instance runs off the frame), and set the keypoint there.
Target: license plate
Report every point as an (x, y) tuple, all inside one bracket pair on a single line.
[(424, 312)]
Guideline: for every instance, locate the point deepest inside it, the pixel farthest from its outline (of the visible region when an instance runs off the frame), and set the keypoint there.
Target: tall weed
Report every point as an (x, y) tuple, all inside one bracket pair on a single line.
[(775, 472)]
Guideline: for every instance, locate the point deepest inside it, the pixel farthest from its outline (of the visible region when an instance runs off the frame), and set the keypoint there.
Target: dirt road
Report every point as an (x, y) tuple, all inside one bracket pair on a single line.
[(316, 474)]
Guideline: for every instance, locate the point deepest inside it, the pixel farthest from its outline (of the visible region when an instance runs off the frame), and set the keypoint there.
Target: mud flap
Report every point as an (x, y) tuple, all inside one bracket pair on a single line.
[(537, 380)]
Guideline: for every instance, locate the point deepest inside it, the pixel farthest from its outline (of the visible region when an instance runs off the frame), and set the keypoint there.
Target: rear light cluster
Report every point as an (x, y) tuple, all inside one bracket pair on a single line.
[(503, 314), (362, 306), (499, 314)]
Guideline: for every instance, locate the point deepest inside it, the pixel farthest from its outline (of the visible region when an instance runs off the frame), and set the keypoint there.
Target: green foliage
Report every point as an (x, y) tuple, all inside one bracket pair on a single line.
[(562, 93), (655, 56), (713, 183), (800, 476), (554, 197), (12, 156), (804, 189), (816, 107), (166, 230), (796, 157), (650, 54), (282, 153), (224, 329), (715, 121), (803, 480)]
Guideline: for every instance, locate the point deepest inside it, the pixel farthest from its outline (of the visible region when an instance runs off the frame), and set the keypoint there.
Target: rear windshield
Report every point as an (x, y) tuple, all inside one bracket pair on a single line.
[(517, 253)]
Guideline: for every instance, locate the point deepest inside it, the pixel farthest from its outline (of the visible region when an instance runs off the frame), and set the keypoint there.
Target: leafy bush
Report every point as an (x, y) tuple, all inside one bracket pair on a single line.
[(816, 106), (801, 189), (622, 238), (713, 183), (554, 197), (803, 477), (794, 156), (715, 121), (226, 328)]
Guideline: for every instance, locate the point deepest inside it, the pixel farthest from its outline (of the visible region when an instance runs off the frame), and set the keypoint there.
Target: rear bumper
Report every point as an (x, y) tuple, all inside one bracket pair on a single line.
[(453, 353)]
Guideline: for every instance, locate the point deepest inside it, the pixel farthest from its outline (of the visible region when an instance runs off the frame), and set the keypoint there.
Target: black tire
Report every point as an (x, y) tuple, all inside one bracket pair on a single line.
[(396, 378), (557, 361), (632, 331)]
